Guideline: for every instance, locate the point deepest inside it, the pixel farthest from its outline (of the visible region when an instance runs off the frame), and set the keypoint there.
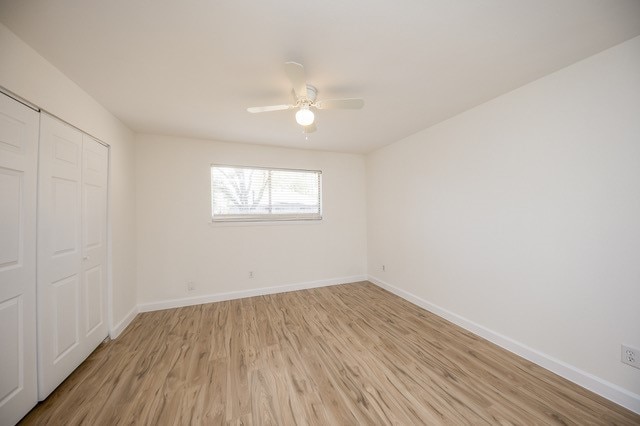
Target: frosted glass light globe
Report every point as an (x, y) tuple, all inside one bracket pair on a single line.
[(304, 116)]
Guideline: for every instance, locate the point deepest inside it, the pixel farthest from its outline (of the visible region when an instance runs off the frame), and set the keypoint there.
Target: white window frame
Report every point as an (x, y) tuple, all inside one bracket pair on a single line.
[(266, 217)]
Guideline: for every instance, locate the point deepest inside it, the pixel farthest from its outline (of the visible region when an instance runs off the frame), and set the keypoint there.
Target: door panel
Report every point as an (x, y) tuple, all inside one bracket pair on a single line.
[(65, 203), (93, 302), (11, 331), (66, 314), (94, 217), (66, 150), (72, 250), (11, 227), (18, 178), (95, 162), (59, 253)]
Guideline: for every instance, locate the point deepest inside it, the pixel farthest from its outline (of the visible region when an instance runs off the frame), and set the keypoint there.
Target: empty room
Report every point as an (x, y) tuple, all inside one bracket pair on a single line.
[(301, 212)]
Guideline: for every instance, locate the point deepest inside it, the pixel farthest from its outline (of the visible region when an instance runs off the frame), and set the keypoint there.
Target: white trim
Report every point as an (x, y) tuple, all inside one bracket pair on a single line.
[(123, 324), (224, 224), (219, 297), (582, 378)]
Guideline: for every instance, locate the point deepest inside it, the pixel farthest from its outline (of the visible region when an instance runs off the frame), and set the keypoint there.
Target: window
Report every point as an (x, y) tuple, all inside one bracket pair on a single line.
[(252, 194)]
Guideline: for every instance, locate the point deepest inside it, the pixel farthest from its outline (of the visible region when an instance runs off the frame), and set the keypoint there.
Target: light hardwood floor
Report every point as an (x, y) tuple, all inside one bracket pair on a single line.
[(342, 355)]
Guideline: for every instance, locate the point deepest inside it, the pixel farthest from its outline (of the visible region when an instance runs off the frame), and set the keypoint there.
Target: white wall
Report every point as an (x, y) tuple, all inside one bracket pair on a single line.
[(523, 214), (27, 74), (178, 243)]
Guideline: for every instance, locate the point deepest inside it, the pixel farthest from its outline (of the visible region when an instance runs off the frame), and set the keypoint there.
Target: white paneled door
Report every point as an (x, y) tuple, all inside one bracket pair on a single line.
[(72, 253), (18, 179), (94, 241)]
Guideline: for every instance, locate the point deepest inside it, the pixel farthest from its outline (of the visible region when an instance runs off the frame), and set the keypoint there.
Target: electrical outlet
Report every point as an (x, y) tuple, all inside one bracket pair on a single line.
[(631, 356), (383, 268), (191, 286), (250, 274)]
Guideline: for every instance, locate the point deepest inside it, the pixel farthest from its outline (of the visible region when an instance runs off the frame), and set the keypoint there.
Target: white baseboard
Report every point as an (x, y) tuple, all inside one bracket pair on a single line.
[(593, 383), (123, 324), (219, 297)]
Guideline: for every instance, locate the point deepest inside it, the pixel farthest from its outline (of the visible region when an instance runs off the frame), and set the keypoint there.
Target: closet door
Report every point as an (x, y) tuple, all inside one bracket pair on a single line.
[(71, 251), (18, 177), (95, 161)]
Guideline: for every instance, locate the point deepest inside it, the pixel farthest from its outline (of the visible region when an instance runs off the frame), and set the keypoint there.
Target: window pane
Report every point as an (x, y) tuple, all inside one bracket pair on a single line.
[(294, 192), (239, 191), (244, 193)]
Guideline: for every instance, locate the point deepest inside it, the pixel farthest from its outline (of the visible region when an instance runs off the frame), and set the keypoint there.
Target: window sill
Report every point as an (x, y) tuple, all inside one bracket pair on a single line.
[(244, 223)]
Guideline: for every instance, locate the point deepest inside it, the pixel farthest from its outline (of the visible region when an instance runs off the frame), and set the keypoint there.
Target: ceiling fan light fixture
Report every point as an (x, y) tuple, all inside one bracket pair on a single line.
[(304, 116), (305, 98)]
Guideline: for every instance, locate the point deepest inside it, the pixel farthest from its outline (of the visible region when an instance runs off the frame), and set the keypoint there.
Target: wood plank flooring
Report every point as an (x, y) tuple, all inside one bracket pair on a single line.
[(342, 355)]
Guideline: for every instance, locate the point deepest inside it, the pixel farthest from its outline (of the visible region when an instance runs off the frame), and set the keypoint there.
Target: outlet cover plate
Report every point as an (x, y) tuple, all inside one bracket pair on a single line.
[(631, 356)]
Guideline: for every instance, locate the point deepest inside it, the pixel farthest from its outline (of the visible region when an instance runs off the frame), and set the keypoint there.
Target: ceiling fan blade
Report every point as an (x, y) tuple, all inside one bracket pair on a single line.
[(351, 103), (296, 75), (310, 128), (269, 108)]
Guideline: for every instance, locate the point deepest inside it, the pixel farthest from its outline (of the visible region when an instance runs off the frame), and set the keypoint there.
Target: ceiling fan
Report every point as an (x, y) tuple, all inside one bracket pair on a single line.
[(305, 98)]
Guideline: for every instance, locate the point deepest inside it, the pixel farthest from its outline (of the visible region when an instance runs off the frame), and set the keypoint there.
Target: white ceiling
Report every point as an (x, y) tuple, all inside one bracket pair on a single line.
[(192, 67)]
